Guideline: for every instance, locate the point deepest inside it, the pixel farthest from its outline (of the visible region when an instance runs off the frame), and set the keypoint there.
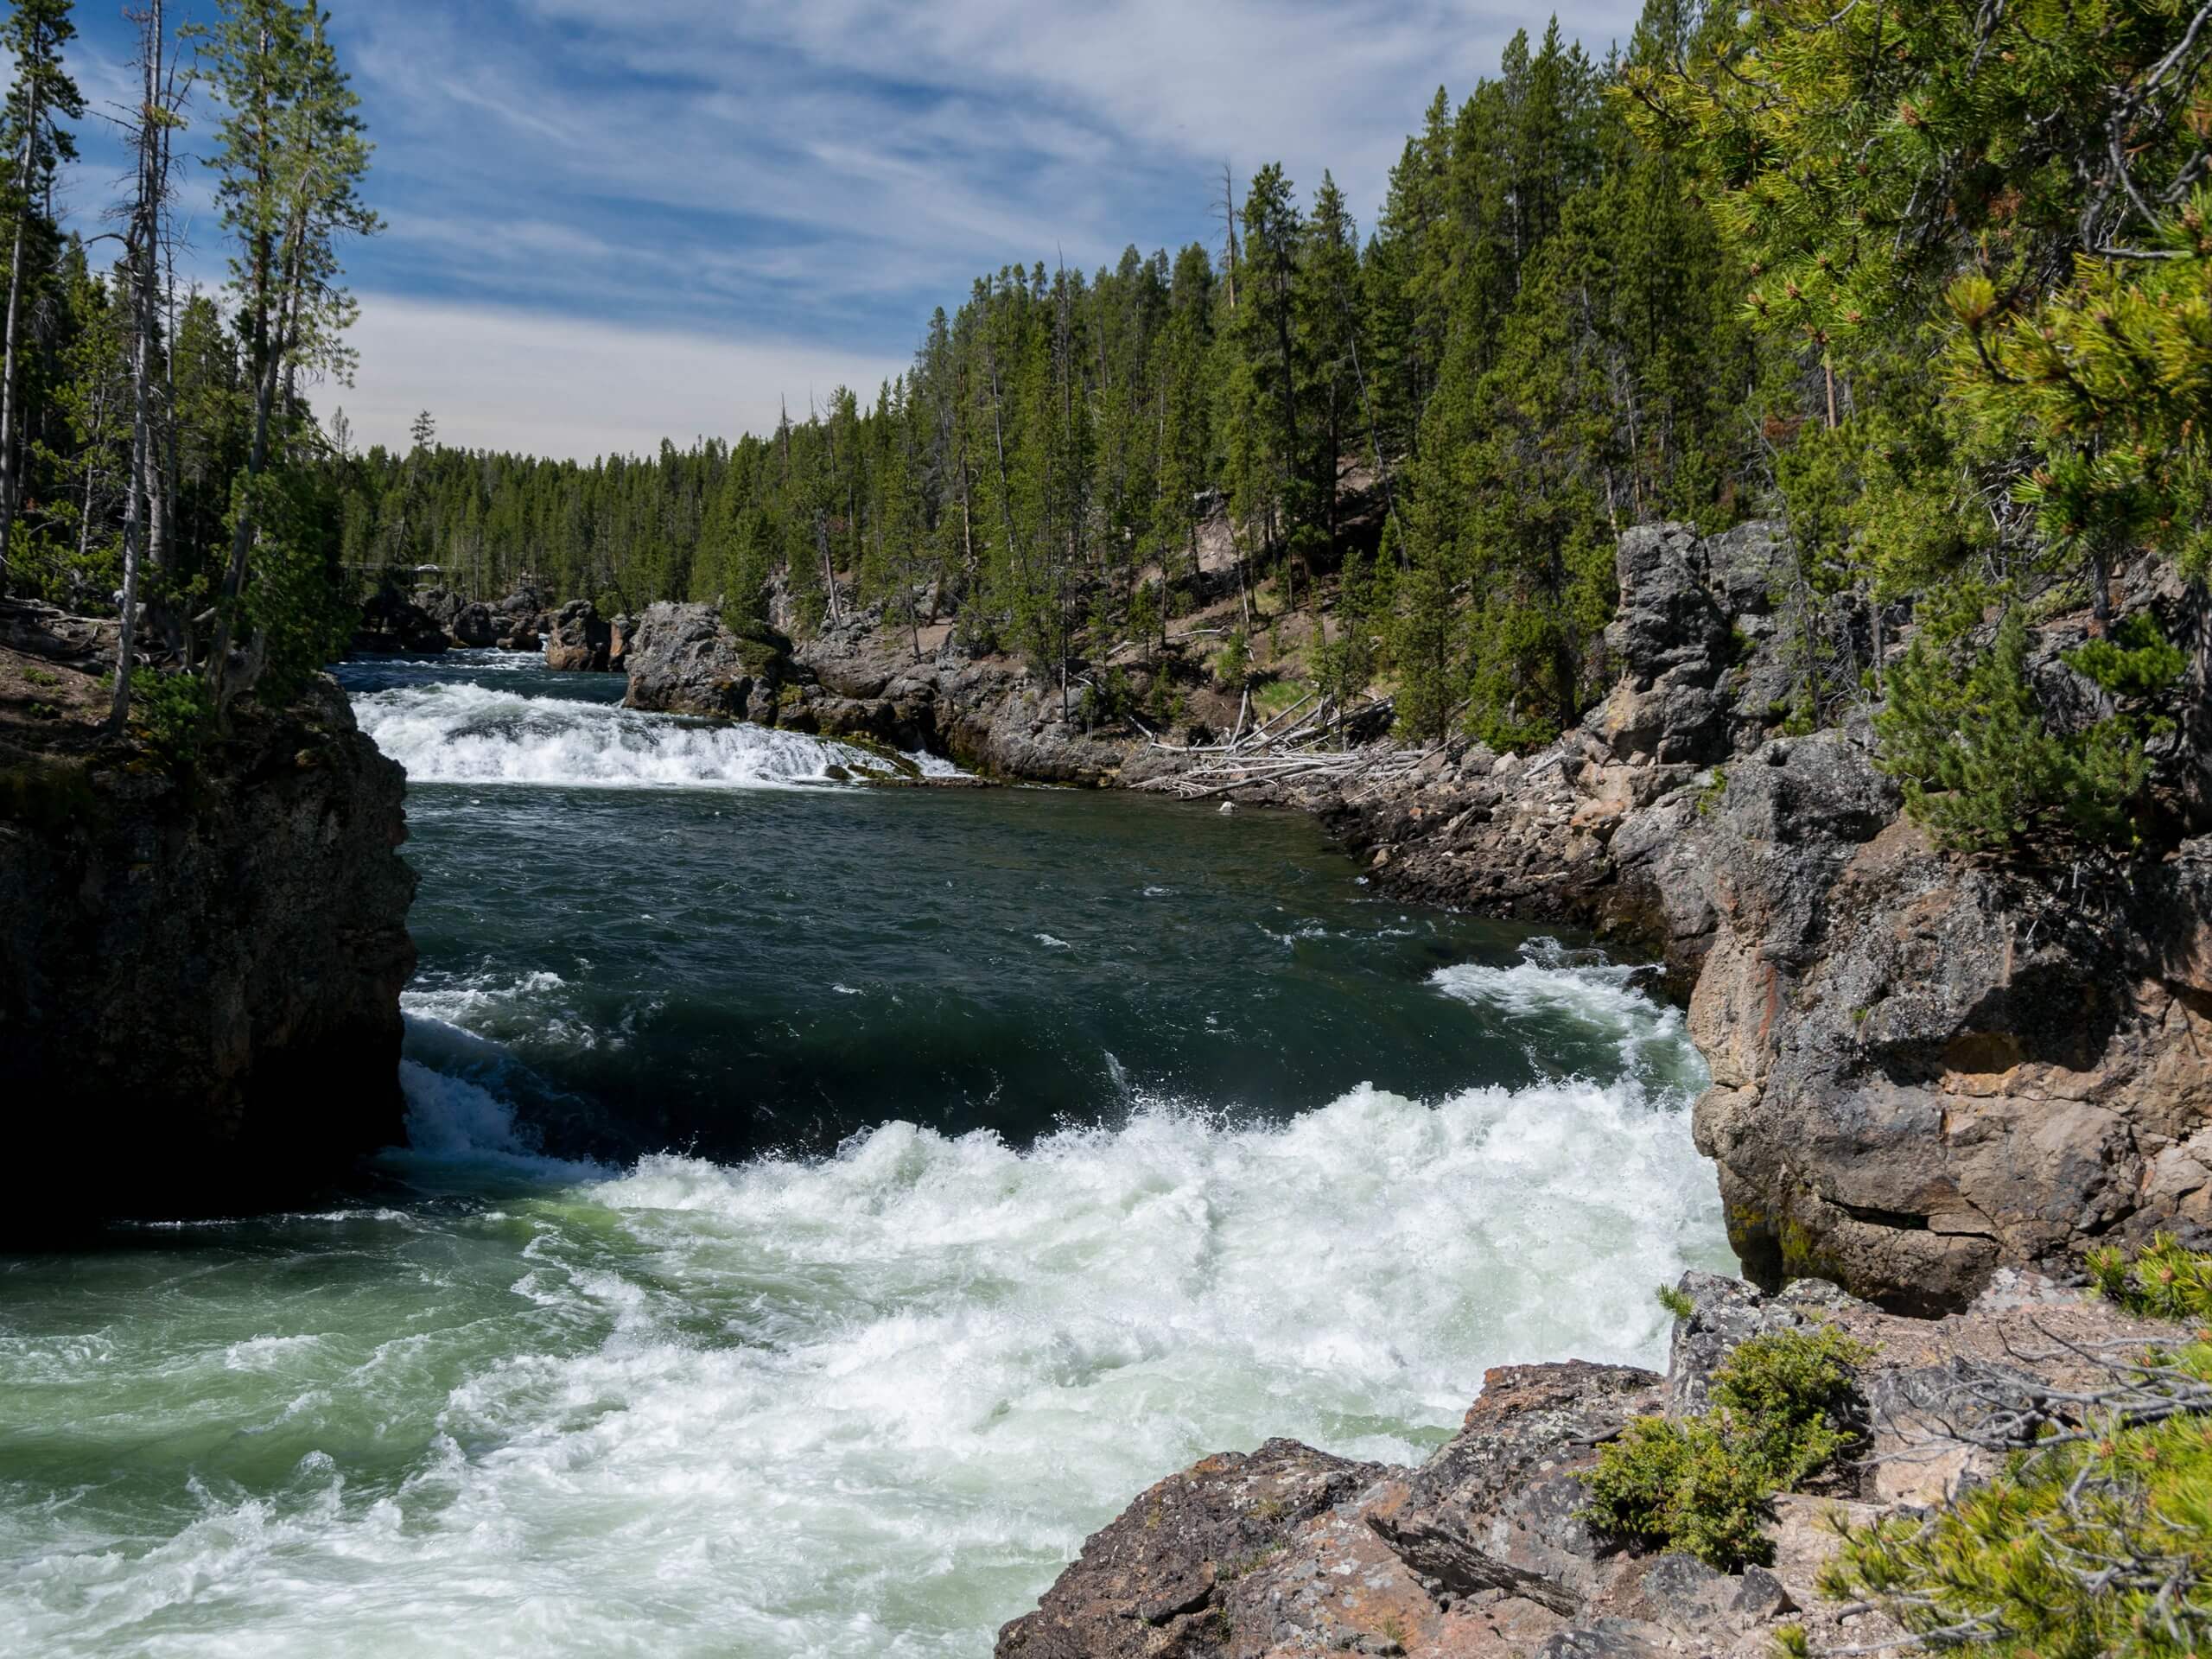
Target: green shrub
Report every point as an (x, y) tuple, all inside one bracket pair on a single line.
[(1675, 1302), (1788, 1395), (2095, 1543), (1779, 1415), (1715, 792), (1232, 663), (2136, 662), (2164, 1282), (1980, 768), (171, 714), (292, 605)]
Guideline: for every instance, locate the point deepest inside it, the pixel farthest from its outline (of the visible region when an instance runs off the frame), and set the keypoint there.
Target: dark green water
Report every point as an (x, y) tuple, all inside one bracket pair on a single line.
[(825, 1205)]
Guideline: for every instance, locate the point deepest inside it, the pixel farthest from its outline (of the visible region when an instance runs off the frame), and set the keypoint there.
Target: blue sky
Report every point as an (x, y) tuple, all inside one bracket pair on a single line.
[(613, 220)]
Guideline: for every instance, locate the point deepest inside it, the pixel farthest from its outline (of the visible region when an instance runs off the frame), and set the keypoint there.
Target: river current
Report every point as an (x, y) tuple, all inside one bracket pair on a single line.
[(824, 1206)]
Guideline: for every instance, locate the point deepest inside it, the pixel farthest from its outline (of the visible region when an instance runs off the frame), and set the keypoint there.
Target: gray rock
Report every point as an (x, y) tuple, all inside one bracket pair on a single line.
[(1146, 1583), (580, 641), (1494, 1508), (683, 661)]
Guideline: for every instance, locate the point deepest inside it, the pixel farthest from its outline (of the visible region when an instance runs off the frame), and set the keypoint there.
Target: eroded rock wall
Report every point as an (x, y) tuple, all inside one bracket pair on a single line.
[(200, 973), (1925, 1066)]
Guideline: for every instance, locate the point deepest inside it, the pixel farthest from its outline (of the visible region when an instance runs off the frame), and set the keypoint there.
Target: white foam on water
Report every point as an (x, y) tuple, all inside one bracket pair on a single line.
[(932, 766), (870, 1404), (1554, 990), (458, 733)]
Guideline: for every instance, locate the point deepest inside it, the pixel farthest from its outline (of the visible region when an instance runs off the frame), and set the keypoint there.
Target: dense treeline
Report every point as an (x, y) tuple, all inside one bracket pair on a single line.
[(1929, 282), (1536, 346)]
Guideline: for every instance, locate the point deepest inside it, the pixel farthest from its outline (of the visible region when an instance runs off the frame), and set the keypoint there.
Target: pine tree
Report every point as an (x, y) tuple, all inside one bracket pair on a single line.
[(35, 145), (290, 158)]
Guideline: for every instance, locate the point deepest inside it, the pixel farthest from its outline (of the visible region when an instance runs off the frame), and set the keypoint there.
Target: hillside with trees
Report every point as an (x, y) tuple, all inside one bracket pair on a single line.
[(1535, 347), (1927, 286)]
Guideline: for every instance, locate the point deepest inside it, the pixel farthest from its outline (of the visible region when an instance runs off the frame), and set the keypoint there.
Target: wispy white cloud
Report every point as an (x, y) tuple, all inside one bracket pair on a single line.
[(811, 177), (497, 378)]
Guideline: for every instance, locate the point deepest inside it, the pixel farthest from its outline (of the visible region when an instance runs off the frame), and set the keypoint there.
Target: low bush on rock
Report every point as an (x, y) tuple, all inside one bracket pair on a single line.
[(2096, 1540), (1779, 1414)]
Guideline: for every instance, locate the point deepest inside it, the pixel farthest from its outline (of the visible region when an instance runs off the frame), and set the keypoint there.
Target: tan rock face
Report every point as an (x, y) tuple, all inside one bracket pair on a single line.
[(1924, 1068)]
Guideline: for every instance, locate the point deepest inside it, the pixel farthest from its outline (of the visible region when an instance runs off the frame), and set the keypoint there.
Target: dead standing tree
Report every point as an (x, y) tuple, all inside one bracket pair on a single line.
[(164, 87)]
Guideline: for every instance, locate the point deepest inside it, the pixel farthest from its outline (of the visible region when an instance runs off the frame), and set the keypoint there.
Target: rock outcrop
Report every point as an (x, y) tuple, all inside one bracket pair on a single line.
[(856, 679), (1924, 1066), (681, 660), (1481, 1551), (518, 625), (580, 640), (199, 966), (392, 623), (468, 622)]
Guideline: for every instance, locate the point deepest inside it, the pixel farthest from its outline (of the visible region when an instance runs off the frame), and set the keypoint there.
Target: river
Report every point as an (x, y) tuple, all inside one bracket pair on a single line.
[(825, 1206)]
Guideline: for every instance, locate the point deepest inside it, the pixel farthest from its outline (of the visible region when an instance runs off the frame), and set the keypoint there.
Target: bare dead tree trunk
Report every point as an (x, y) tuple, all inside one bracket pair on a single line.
[(142, 508), (8, 482), (1228, 220)]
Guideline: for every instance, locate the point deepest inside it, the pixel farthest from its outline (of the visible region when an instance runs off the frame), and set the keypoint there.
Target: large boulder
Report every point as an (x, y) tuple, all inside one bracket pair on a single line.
[(1498, 1507), (1157, 1579), (473, 625), (683, 660), (392, 623), (521, 620), (580, 641)]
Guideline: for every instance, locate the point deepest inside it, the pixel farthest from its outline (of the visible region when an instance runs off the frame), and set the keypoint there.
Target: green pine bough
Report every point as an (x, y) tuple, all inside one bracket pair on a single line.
[(2096, 1540), (1966, 737)]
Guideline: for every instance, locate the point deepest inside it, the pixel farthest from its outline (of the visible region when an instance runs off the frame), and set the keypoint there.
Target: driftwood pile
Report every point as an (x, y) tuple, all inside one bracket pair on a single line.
[(1314, 742)]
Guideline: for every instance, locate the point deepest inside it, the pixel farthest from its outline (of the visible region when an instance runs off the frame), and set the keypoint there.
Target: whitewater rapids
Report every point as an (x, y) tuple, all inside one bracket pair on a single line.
[(864, 1405), (1095, 1191), (460, 733)]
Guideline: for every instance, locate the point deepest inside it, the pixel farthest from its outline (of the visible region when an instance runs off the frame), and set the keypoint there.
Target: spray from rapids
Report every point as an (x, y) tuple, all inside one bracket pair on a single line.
[(459, 733)]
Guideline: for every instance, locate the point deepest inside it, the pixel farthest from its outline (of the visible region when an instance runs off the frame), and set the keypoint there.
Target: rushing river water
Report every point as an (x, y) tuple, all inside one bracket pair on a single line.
[(824, 1206)]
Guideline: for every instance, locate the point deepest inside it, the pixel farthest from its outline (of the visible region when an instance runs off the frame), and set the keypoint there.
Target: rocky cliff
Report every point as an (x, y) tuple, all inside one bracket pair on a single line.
[(1925, 1065), (200, 962)]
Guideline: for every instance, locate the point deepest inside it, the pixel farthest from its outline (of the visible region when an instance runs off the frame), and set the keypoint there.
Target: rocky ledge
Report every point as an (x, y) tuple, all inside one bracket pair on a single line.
[(858, 679), (200, 965), (1482, 1552)]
